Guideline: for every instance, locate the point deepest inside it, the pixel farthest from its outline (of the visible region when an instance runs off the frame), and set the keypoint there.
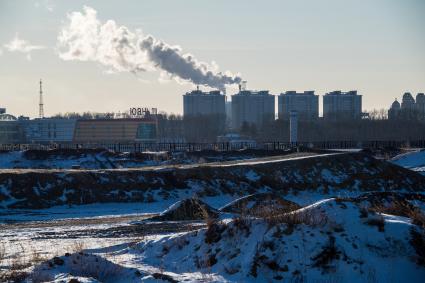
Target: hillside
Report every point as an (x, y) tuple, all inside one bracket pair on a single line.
[(333, 240), (312, 176)]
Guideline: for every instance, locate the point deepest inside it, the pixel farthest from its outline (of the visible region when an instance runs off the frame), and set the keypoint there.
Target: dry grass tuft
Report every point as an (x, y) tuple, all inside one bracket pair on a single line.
[(77, 247), (311, 217), (418, 218), (2, 252)]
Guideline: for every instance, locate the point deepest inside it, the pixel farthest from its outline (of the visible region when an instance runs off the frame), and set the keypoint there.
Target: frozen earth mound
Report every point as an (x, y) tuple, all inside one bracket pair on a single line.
[(188, 209), (260, 204)]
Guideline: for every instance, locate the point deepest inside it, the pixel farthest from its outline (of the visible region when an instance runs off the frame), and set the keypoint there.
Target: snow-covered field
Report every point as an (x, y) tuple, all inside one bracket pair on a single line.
[(64, 160), (361, 221)]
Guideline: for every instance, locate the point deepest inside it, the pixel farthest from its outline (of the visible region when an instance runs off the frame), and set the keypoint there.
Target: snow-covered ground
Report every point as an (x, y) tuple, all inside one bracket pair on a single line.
[(328, 241), (336, 236), (89, 160), (414, 160)]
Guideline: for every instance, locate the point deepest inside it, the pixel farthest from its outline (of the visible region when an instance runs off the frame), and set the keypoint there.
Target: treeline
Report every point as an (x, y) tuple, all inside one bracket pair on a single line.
[(92, 115), (200, 128), (206, 128)]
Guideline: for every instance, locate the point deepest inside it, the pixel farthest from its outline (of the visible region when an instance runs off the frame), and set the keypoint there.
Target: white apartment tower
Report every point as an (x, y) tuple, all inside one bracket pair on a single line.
[(306, 104), (252, 107)]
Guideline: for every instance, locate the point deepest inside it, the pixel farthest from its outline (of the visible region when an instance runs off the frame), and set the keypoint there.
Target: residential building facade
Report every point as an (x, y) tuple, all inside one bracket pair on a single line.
[(252, 107), (306, 104), (338, 105)]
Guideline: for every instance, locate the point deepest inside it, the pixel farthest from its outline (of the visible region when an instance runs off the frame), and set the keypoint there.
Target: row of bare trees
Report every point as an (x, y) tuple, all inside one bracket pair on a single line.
[(206, 128)]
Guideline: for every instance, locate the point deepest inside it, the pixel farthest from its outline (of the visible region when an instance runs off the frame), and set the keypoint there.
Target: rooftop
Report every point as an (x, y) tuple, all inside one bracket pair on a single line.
[(293, 92), (200, 92), (339, 92), (253, 92)]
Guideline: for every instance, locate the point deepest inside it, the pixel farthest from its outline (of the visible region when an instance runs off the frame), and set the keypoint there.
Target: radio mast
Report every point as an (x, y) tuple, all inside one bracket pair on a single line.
[(41, 104)]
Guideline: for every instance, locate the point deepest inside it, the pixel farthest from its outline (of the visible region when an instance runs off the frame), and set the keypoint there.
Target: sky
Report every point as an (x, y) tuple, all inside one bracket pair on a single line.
[(375, 47)]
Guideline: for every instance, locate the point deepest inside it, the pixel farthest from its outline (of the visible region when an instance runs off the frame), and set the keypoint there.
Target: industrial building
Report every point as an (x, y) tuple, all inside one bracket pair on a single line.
[(306, 104), (198, 102), (10, 130), (338, 105), (48, 130), (252, 107), (115, 130)]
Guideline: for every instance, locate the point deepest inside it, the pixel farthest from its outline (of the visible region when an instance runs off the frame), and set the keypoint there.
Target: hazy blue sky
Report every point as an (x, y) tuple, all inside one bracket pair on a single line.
[(374, 46)]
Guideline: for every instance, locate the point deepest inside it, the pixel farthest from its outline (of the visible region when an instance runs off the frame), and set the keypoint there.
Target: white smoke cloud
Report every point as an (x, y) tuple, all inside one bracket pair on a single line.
[(85, 38), (47, 4), (23, 46)]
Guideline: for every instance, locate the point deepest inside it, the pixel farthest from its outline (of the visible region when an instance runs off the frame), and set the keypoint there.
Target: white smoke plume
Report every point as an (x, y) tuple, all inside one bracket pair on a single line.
[(85, 38), (20, 45)]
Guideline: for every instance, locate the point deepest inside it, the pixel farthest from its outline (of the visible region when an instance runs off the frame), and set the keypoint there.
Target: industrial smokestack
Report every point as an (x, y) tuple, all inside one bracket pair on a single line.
[(85, 38)]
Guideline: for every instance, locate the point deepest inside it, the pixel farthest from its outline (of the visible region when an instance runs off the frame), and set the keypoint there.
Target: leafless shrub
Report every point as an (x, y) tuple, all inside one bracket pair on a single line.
[(13, 276), (2, 252), (327, 255), (402, 208), (35, 258), (214, 231), (15, 272), (231, 270), (364, 212), (418, 243), (311, 217), (378, 222), (395, 207), (77, 247), (418, 218)]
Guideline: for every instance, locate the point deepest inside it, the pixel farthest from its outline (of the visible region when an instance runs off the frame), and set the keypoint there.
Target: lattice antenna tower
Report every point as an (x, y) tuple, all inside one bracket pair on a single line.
[(41, 104)]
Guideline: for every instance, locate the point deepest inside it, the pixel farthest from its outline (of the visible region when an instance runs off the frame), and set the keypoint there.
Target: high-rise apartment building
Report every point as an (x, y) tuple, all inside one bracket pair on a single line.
[(306, 104), (252, 107), (342, 105)]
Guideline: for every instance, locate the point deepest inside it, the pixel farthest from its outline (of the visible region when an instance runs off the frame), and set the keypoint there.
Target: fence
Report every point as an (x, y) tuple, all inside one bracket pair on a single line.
[(223, 146)]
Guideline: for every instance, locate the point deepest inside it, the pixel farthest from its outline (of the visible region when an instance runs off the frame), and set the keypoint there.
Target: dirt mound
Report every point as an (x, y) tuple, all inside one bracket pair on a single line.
[(260, 204), (188, 209)]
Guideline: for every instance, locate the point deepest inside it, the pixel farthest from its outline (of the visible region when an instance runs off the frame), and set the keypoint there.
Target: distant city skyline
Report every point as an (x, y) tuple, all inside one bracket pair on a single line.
[(374, 47)]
